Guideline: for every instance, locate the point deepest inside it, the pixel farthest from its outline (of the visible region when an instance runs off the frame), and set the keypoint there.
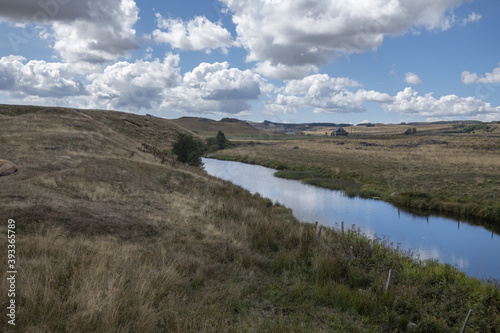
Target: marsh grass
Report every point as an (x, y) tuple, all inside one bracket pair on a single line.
[(349, 186), (110, 241)]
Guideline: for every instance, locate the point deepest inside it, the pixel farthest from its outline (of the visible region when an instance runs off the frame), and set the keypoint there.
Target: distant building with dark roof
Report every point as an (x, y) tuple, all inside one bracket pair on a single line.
[(339, 131)]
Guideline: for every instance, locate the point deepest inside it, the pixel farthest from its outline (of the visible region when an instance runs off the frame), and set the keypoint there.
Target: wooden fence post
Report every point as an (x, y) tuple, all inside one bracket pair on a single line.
[(388, 280), (319, 232), (342, 226), (466, 321)]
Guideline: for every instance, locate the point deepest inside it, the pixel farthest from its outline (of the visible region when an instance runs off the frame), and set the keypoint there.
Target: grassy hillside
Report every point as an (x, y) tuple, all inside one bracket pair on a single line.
[(232, 128), (113, 235)]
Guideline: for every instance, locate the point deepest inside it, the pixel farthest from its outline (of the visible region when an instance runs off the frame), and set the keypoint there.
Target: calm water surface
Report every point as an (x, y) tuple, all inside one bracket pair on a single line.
[(472, 249)]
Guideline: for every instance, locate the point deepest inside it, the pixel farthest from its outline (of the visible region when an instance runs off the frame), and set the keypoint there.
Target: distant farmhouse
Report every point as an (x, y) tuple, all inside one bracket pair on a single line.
[(339, 131)]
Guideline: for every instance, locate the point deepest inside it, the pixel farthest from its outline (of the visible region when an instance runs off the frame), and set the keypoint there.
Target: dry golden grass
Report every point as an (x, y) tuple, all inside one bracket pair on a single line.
[(209, 128), (112, 240), (392, 129)]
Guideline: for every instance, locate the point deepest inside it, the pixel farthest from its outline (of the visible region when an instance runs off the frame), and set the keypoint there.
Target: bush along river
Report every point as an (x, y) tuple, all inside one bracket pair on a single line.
[(469, 248)]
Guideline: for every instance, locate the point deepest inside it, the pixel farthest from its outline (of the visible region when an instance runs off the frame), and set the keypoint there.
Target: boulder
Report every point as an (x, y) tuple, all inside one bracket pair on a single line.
[(7, 168), (411, 327)]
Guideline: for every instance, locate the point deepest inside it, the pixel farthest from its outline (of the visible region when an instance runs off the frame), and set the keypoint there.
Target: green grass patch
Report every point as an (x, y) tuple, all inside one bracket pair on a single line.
[(297, 175), (316, 274), (486, 212), (349, 186)]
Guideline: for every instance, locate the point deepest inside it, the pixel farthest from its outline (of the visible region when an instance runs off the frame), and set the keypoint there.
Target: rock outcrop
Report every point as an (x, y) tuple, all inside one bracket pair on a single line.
[(7, 168)]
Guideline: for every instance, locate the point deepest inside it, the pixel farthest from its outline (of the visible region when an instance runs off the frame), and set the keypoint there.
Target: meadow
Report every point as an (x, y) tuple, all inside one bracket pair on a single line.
[(114, 235)]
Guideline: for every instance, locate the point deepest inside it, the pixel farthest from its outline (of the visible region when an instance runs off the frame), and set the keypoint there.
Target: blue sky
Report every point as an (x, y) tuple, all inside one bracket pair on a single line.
[(288, 61)]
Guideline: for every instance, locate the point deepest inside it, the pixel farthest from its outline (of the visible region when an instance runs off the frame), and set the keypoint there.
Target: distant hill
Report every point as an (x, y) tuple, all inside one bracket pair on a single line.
[(208, 128), (437, 127), (445, 122), (297, 128), (235, 128)]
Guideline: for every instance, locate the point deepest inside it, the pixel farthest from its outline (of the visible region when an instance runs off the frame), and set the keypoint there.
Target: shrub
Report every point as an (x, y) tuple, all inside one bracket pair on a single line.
[(471, 128), (188, 149)]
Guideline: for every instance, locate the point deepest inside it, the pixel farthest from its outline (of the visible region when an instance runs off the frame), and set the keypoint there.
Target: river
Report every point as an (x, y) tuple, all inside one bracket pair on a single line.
[(472, 249)]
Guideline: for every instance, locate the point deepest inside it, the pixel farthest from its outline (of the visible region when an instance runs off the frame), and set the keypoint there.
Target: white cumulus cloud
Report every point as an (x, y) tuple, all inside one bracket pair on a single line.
[(319, 85), (21, 78), (408, 101), (323, 94), (132, 86), (493, 77), (284, 72), (215, 89), (304, 34), (412, 78), (137, 85), (108, 35), (196, 34)]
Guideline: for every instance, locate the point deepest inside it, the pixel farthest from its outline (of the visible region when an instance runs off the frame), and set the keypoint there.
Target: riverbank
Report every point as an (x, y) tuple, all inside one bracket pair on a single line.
[(457, 175), (113, 235), (471, 249)]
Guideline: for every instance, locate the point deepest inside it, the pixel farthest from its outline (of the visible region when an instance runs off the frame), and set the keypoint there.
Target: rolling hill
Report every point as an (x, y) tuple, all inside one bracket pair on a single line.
[(232, 128)]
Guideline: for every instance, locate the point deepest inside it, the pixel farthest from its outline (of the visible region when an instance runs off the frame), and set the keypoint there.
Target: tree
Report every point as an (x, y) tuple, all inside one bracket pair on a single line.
[(218, 143), (221, 140), (188, 149)]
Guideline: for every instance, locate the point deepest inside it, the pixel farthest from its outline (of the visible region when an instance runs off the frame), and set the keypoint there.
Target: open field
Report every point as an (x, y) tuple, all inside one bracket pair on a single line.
[(114, 235), (395, 129), (456, 173)]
